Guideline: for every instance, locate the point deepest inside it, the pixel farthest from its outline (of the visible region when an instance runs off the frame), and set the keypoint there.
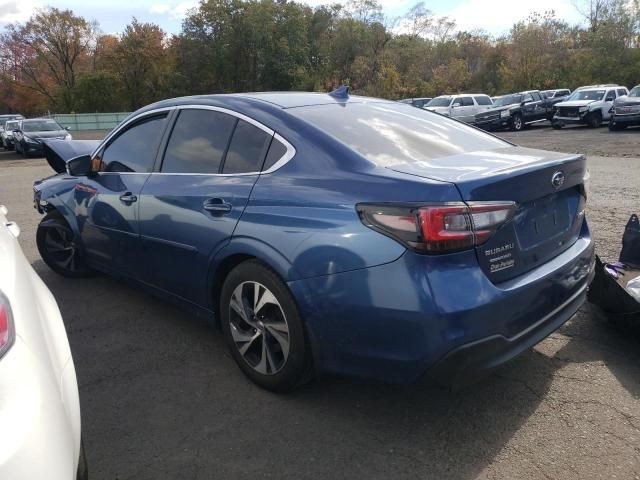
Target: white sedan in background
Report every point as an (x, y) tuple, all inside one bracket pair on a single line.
[(39, 405)]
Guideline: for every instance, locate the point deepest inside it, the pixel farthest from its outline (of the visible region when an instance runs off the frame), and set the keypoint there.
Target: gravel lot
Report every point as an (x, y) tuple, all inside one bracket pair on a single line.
[(161, 397)]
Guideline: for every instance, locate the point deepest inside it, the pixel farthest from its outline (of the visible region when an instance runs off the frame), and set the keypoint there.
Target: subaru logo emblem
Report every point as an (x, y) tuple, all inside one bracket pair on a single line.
[(557, 179)]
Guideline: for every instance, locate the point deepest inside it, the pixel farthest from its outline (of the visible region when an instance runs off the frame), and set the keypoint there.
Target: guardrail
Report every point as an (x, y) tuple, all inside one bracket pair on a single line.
[(90, 121)]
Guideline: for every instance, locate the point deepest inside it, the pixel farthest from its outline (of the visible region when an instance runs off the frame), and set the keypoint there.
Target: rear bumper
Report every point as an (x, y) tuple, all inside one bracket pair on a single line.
[(437, 315), (473, 360)]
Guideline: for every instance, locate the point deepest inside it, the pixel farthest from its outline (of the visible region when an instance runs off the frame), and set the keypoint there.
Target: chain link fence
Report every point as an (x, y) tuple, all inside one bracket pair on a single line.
[(89, 121)]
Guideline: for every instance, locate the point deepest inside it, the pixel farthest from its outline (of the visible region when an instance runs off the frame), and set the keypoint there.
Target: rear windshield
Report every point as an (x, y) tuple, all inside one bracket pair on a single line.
[(440, 102), (391, 133)]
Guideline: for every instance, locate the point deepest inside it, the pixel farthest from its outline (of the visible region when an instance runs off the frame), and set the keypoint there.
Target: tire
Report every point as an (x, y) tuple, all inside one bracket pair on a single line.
[(517, 124), (615, 127), (17, 147), (24, 151), (83, 470), (594, 120), (59, 248), (556, 125), (269, 342)]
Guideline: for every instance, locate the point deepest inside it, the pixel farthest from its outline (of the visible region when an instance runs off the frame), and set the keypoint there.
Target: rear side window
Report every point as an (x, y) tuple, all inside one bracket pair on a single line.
[(198, 142), (483, 100), (247, 149), (135, 149), (392, 133), (276, 152)]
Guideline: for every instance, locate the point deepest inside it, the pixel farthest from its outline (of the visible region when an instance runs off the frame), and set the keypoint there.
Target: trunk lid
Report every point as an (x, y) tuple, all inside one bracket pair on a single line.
[(547, 188)]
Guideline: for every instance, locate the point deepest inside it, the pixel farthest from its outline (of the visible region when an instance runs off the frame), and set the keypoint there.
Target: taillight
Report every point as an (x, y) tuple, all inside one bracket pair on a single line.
[(6, 325), (441, 228)]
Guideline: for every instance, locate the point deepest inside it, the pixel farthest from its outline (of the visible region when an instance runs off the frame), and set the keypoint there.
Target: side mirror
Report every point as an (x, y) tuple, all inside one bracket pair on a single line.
[(523, 103), (79, 166), (67, 128)]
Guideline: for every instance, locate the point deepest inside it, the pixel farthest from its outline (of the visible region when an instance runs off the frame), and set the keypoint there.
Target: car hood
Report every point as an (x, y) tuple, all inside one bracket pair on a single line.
[(499, 109), (575, 103), (47, 134), (626, 101), (438, 109), (59, 152)]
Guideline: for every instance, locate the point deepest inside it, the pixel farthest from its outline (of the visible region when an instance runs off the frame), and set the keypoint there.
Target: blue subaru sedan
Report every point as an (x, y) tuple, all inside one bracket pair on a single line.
[(328, 232)]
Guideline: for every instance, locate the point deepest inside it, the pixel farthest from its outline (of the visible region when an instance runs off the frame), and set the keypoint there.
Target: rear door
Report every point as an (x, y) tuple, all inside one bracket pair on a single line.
[(191, 206), (107, 203)]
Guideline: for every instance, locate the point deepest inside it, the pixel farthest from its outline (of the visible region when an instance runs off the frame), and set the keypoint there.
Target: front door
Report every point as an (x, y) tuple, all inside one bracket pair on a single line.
[(108, 201), (190, 208)]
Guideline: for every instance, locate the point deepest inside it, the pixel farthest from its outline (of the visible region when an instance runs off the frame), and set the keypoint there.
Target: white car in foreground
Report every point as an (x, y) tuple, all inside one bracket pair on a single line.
[(39, 406)]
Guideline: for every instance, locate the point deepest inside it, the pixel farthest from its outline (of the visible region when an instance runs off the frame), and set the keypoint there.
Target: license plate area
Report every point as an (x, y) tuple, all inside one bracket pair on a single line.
[(542, 220)]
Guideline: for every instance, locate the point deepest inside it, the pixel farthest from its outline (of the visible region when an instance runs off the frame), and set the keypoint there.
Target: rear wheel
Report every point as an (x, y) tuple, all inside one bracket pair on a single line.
[(59, 248), (594, 120), (263, 328), (516, 123)]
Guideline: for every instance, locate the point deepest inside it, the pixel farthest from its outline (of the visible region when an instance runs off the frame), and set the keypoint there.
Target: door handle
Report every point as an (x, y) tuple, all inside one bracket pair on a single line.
[(217, 206), (128, 197)]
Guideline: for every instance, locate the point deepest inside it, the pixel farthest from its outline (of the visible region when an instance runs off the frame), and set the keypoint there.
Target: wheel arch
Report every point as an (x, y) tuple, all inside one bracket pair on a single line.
[(238, 251)]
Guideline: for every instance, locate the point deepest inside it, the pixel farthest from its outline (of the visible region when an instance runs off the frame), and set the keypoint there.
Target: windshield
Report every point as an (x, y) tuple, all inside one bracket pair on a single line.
[(635, 92), (587, 95), (41, 126), (507, 100), (392, 133), (440, 102)]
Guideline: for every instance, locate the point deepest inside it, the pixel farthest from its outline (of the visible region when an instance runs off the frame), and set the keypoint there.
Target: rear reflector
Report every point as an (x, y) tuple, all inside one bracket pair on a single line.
[(439, 228), (6, 325)]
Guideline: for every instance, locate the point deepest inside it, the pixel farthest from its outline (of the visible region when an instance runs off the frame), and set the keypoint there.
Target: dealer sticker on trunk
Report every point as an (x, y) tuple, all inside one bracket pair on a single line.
[(500, 258)]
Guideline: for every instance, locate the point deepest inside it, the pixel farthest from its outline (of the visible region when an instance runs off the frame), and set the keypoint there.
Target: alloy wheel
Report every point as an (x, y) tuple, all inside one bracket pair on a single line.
[(259, 328), (60, 245), (517, 123)]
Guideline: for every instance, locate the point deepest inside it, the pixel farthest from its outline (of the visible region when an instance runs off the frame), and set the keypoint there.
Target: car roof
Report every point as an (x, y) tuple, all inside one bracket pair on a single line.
[(282, 100)]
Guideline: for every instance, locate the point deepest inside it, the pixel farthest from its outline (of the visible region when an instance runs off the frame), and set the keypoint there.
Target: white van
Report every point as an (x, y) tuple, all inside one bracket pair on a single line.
[(461, 107)]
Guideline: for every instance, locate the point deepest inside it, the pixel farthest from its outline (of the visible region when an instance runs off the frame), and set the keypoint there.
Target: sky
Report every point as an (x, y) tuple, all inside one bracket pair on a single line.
[(493, 16)]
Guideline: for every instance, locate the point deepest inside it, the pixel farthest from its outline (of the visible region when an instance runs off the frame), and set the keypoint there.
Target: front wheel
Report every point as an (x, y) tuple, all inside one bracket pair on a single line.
[(614, 127), (516, 123), (594, 120), (263, 328), (556, 125), (59, 247)]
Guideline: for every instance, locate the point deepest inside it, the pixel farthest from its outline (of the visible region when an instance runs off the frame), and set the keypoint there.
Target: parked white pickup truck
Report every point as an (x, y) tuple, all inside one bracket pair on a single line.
[(589, 105), (461, 107)]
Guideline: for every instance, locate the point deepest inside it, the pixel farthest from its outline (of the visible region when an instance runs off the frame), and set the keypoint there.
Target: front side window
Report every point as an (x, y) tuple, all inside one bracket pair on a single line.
[(536, 96), (135, 149), (198, 142), (247, 149), (527, 98), (621, 92), (611, 96), (467, 102)]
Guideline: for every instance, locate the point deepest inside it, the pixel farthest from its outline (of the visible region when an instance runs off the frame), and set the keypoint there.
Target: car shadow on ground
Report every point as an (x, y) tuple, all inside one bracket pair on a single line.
[(161, 397)]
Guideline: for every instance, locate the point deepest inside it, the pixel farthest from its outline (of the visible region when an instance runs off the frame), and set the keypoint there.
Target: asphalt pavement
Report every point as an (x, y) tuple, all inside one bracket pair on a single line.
[(162, 398)]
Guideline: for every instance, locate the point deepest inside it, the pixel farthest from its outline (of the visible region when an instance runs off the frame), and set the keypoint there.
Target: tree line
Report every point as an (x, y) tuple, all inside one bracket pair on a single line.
[(60, 62)]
